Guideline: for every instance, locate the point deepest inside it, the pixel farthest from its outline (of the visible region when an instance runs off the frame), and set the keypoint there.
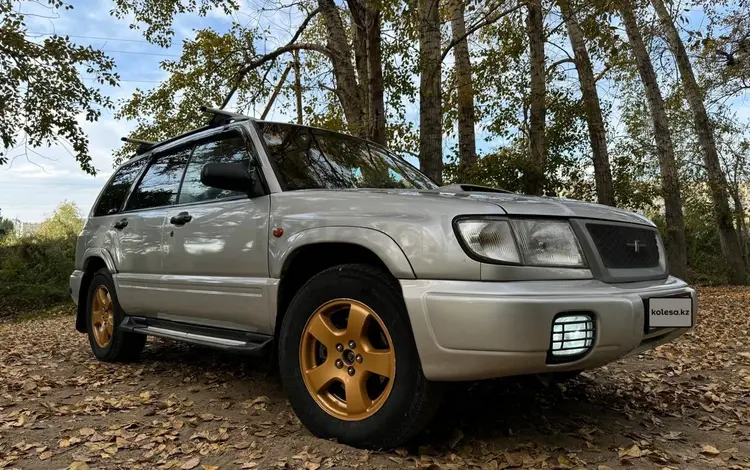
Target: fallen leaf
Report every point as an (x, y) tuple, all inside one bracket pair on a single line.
[(710, 450), (191, 464), (632, 452)]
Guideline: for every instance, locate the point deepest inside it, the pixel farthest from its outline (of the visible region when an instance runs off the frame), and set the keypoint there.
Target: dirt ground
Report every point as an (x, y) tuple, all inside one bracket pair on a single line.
[(685, 405)]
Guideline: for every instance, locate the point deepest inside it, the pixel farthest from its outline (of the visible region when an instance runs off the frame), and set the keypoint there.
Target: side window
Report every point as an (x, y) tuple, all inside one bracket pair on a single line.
[(228, 148), (160, 183), (113, 196)]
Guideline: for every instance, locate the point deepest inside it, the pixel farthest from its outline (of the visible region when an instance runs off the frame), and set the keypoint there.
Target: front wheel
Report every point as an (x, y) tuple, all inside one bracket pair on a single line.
[(103, 317), (348, 360)]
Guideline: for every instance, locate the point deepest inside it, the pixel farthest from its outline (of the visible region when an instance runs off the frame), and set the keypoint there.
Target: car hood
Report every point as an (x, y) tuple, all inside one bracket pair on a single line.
[(518, 204)]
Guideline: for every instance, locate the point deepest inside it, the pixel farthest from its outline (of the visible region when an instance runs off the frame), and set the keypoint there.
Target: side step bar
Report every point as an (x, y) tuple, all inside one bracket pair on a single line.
[(243, 342)]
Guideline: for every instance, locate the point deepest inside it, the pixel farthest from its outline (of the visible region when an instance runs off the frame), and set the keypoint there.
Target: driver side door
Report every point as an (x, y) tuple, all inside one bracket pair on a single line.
[(216, 245)]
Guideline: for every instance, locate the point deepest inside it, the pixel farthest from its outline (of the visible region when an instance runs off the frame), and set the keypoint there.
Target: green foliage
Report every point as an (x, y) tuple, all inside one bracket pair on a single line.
[(203, 75), (42, 88), (158, 16), (6, 227), (34, 270)]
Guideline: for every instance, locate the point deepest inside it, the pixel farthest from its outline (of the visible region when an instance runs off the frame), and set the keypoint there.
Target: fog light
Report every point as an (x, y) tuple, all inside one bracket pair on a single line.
[(572, 335)]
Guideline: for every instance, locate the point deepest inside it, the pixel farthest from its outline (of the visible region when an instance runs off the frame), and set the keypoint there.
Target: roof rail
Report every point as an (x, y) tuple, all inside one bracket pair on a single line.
[(222, 117)]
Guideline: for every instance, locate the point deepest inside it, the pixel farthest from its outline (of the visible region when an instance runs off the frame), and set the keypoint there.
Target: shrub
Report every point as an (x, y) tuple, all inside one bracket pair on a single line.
[(34, 269)]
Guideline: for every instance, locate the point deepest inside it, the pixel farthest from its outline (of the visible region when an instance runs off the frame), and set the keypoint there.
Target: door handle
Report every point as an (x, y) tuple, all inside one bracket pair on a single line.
[(120, 224), (181, 219)]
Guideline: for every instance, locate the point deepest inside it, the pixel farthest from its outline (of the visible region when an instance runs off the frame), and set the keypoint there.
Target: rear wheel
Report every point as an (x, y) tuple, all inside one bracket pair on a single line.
[(103, 318), (348, 360)]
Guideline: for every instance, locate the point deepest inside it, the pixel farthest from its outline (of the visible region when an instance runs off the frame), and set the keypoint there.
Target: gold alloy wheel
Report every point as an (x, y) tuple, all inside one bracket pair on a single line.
[(102, 317), (347, 359)]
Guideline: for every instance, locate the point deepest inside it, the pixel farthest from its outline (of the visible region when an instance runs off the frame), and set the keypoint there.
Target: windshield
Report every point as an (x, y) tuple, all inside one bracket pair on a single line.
[(308, 158)]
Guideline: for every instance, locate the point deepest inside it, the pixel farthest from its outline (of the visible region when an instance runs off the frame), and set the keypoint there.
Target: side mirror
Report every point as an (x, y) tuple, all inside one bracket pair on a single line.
[(229, 176)]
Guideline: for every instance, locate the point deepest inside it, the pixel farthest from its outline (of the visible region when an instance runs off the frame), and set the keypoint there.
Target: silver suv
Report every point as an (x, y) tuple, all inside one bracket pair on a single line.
[(369, 283)]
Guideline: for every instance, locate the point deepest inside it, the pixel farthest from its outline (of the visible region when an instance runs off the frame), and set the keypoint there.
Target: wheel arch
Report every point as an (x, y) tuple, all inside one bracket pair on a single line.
[(91, 265), (315, 252)]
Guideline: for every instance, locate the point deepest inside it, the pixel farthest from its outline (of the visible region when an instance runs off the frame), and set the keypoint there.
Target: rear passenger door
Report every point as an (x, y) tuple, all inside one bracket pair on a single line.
[(216, 245), (138, 233)]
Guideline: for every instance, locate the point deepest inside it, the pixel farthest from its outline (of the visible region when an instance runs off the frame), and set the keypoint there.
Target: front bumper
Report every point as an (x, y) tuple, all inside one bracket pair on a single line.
[(468, 330)]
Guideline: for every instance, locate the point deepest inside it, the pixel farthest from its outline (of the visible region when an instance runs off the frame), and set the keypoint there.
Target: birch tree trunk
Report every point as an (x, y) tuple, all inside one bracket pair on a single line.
[(535, 171), (467, 149), (430, 99), (605, 193), (730, 245), (670, 183)]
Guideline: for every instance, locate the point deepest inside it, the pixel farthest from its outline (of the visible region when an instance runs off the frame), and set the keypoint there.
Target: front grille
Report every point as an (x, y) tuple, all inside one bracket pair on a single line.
[(625, 247)]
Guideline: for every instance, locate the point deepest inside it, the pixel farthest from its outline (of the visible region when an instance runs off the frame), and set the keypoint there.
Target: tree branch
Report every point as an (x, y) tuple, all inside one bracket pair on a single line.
[(487, 21), (603, 72), (290, 46), (566, 60)]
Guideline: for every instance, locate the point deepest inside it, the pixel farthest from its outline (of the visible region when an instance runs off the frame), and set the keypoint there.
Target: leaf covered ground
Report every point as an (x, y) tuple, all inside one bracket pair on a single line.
[(685, 405)]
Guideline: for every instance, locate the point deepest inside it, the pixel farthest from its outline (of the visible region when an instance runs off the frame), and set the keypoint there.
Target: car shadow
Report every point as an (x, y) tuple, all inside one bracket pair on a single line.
[(579, 415)]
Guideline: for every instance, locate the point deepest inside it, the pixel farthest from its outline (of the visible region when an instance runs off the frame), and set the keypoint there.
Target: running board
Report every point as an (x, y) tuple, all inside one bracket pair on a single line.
[(243, 342)]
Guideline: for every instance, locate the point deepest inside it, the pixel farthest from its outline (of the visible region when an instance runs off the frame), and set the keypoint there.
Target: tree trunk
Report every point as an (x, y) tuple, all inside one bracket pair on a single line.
[(467, 147), (368, 60), (359, 36), (730, 246), (430, 99), (670, 183), (536, 168), (605, 192), (739, 217), (376, 101), (347, 88)]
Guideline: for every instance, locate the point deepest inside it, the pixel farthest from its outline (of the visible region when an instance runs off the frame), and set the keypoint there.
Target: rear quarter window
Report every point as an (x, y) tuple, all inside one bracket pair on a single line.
[(114, 194)]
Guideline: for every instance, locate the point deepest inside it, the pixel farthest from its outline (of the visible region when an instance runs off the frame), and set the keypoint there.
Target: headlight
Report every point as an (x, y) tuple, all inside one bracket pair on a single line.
[(533, 242)]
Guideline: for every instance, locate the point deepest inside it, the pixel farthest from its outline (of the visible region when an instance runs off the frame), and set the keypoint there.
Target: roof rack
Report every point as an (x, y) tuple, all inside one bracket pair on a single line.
[(143, 145), (220, 117)]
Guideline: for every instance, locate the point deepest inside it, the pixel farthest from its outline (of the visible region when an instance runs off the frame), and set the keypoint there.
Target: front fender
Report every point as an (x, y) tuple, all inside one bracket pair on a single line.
[(383, 246), (99, 253)]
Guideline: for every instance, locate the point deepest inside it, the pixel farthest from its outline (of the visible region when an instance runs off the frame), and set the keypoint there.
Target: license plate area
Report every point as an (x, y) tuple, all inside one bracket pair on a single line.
[(675, 311)]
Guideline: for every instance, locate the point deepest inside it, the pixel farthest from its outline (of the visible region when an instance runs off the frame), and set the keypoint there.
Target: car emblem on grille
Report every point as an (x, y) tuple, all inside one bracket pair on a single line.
[(636, 245)]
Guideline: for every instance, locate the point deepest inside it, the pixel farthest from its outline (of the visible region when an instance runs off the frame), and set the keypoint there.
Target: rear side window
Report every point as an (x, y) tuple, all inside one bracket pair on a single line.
[(226, 149), (113, 196), (160, 183)]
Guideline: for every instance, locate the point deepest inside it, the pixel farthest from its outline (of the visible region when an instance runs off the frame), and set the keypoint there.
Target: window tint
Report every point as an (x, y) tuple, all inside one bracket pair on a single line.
[(288, 148), (227, 149), (314, 159), (160, 183), (114, 194)]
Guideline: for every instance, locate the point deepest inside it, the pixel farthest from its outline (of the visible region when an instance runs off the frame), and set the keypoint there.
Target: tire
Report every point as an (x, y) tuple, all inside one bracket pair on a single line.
[(116, 345), (393, 417)]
